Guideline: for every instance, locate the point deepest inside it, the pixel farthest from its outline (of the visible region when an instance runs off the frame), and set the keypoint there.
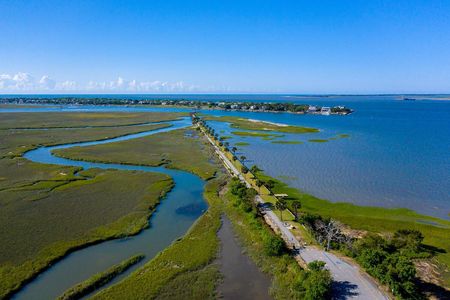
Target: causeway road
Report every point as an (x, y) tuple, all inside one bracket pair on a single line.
[(349, 281)]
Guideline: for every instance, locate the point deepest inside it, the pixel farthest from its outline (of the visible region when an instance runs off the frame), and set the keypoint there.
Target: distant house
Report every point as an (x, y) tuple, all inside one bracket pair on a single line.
[(325, 111), (312, 108)]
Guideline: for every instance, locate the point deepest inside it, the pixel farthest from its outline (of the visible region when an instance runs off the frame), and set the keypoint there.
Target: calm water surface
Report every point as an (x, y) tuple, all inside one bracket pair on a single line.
[(242, 278)]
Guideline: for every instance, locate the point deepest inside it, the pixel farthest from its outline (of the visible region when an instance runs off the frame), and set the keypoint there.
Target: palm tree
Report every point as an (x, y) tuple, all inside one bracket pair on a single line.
[(280, 205), (243, 158), (254, 169), (296, 205), (259, 183), (244, 169)]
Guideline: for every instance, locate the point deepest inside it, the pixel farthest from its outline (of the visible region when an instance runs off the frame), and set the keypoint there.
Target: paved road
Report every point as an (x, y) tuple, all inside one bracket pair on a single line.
[(349, 281)]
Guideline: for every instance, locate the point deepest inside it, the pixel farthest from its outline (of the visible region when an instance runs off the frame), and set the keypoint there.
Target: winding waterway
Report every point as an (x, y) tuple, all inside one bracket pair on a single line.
[(169, 222)]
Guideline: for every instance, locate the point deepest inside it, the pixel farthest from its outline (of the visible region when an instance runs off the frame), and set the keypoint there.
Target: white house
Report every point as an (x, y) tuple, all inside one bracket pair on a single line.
[(325, 111)]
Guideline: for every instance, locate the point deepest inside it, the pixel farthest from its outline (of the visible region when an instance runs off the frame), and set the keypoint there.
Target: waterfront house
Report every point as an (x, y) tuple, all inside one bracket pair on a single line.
[(312, 109), (325, 111)]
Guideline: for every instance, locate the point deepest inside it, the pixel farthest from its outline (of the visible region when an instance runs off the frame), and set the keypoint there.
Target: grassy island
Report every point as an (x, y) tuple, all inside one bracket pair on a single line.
[(177, 149), (250, 124), (257, 134)]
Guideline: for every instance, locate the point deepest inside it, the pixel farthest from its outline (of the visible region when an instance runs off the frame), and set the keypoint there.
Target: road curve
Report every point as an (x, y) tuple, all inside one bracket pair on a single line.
[(349, 281)]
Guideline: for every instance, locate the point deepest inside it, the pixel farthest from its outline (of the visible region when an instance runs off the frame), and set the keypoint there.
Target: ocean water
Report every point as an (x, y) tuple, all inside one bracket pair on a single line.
[(397, 153)]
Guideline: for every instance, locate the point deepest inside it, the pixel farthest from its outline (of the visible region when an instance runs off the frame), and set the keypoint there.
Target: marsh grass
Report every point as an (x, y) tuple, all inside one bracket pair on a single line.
[(241, 144), (48, 211), (28, 120), (174, 149), (39, 230), (246, 124), (16, 142), (263, 135)]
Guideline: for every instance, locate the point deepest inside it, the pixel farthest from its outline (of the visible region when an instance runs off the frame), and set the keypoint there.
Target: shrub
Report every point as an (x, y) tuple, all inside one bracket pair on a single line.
[(315, 284), (273, 245)]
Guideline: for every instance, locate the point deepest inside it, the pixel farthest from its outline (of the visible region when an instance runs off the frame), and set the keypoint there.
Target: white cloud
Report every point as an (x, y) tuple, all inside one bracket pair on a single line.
[(66, 86), (156, 86), (19, 81), (46, 83), (24, 82)]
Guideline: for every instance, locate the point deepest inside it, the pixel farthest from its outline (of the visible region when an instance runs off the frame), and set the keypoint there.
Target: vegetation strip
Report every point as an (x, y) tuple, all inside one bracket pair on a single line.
[(256, 134), (250, 124), (235, 105), (312, 284), (362, 220), (267, 250), (82, 289)]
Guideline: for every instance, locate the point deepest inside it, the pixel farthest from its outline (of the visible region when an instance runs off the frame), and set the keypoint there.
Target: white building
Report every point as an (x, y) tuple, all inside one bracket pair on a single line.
[(325, 111), (312, 108)]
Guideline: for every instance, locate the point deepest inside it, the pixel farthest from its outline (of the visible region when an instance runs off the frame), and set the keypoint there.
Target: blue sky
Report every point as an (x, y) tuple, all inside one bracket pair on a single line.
[(225, 46)]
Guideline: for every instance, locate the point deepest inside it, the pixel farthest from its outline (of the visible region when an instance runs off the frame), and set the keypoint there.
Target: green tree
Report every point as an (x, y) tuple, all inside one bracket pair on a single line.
[(254, 169), (259, 183), (243, 158), (244, 169), (281, 206), (296, 205), (270, 184), (409, 239), (316, 265), (317, 284)]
